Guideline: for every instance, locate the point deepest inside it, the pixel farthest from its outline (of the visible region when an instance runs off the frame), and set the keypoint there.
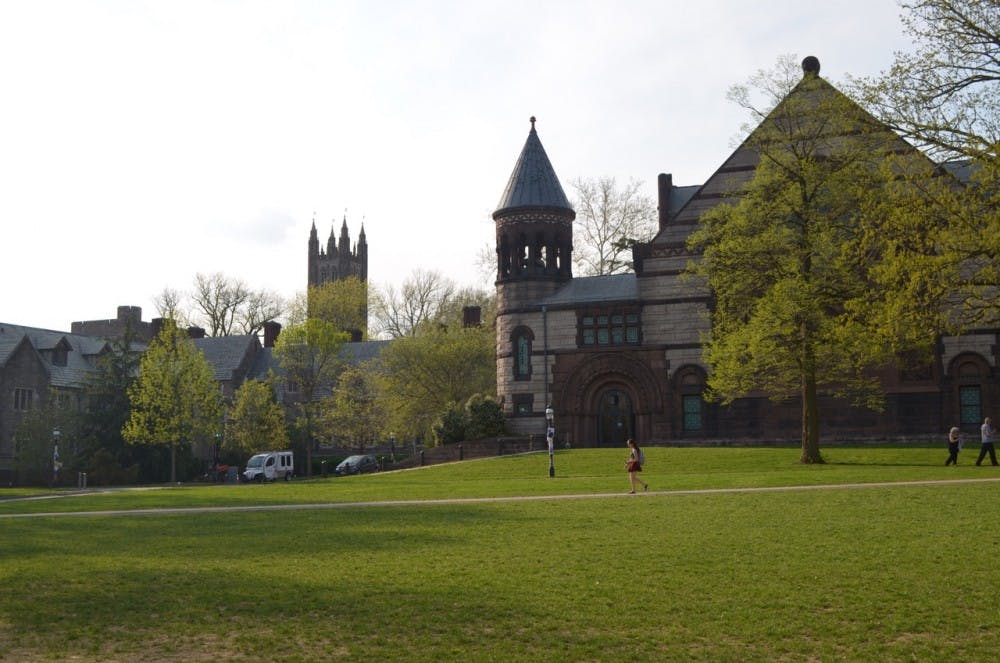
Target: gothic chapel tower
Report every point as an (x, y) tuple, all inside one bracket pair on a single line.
[(534, 244)]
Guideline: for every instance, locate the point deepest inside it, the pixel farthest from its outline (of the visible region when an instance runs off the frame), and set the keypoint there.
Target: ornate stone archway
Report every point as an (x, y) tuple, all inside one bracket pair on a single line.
[(605, 398)]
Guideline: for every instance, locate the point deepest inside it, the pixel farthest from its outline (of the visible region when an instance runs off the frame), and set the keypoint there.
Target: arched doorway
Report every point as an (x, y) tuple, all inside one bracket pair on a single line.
[(615, 418)]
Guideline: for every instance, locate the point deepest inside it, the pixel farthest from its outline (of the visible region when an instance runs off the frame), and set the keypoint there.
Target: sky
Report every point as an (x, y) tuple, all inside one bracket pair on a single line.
[(142, 143)]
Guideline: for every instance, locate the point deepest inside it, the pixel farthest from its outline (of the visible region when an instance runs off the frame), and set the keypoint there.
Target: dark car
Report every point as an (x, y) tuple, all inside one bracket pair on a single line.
[(357, 465)]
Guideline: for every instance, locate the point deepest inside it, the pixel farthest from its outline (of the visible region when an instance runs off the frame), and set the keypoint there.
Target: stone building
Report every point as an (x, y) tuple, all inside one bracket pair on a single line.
[(619, 356)]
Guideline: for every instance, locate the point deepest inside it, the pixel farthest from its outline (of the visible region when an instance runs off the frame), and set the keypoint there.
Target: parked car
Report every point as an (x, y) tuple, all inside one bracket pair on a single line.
[(357, 464)]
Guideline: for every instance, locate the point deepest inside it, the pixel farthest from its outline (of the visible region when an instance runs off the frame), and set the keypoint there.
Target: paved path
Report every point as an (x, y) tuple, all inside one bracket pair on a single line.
[(479, 500)]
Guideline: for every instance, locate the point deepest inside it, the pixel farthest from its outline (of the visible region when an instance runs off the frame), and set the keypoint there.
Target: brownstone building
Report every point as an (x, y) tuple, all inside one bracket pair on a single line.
[(619, 356)]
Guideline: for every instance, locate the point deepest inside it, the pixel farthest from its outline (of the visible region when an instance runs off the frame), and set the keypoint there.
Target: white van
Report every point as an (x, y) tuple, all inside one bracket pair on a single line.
[(270, 466)]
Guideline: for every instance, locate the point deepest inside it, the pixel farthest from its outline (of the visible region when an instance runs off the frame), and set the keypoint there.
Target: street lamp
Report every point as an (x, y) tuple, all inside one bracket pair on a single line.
[(550, 437), (55, 457)]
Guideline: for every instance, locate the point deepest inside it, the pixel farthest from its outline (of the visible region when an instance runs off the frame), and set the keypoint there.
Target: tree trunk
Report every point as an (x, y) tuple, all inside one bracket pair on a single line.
[(810, 420), (173, 463)]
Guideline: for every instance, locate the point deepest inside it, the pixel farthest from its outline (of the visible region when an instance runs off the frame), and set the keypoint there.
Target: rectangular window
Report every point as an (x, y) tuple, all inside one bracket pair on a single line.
[(692, 413), (612, 328), (970, 402), (22, 399), (523, 404)]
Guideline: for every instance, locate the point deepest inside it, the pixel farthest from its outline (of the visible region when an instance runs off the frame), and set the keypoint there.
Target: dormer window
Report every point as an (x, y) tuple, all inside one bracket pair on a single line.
[(59, 356)]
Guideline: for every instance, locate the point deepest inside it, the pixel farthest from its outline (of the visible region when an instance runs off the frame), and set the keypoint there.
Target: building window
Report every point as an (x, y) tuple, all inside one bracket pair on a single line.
[(523, 404), (521, 341), (22, 399), (609, 328), (692, 412), (970, 402)]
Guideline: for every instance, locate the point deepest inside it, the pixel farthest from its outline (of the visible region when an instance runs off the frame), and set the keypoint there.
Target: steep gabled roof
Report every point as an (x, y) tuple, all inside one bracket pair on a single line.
[(226, 354), (534, 182), (739, 168), (81, 352)]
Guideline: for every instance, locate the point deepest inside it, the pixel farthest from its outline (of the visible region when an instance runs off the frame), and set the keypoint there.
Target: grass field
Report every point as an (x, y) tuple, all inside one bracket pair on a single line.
[(880, 572)]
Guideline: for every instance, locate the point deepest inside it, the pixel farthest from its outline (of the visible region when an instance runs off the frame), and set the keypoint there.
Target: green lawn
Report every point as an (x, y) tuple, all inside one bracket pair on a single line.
[(893, 573)]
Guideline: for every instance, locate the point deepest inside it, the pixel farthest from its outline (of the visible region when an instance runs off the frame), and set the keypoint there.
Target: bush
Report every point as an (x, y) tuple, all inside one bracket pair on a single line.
[(485, 417), (451, 425)]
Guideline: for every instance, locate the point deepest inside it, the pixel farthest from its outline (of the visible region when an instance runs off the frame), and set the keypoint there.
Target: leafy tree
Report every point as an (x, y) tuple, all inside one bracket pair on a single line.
[(944, 96), (609, 220), (783, 261), (436, 366), (421, 299), (175, 399), (256, 421), (106, 457), (343, 302), (308, 353), (35, 459), (354, 410), (942, 242)]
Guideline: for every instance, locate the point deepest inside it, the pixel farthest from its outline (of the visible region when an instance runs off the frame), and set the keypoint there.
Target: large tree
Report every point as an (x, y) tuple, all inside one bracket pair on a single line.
[(256, 420), (308, 354), (943, 241), (106, 457), (437, 366), (354, 410), (610, 219), (783, 261), (343, 302), (175, 401)]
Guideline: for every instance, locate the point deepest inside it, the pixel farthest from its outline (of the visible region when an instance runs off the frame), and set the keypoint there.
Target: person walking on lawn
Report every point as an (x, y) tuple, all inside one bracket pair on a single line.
[(633, 465), (986, 433)]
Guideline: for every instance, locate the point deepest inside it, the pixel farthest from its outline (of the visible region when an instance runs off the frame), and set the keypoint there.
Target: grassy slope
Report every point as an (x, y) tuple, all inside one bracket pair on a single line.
[(892, 573)]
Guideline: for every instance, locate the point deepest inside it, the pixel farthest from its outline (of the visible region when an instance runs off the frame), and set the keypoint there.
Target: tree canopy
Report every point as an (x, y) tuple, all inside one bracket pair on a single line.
[(941, 242), (308, 354), (427, 372), (256, 421), (175, 400), (784, 261)]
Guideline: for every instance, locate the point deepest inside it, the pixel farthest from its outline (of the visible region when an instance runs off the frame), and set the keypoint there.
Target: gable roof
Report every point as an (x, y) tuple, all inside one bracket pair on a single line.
[(739, 168), (227, 354), (81, 352), (533, 183)]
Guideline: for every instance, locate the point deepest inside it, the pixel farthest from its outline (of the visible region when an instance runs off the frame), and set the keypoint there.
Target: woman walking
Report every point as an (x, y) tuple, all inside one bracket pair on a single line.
[(954, 444), (634, 465)]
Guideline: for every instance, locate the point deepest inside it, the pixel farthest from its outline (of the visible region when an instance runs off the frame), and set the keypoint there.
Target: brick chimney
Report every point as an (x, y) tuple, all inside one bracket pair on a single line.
[(271, 331), (664, 183), (471, 316), (196, 332)]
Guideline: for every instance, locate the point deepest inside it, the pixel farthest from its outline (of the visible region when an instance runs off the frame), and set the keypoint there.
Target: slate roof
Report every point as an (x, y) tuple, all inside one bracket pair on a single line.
[(534, 182), (596, 290), (226, 353), (81, 352)]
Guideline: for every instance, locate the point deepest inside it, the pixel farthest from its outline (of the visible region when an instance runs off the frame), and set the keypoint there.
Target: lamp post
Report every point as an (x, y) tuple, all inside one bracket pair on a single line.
[(550, 437), (55, 457)]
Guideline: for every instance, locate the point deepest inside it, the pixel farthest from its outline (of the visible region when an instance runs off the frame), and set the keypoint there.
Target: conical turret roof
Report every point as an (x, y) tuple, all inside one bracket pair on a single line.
[(533, 182)]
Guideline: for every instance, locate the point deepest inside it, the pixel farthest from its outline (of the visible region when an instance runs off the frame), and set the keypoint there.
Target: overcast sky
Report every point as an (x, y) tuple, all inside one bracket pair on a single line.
[(144, 142)]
